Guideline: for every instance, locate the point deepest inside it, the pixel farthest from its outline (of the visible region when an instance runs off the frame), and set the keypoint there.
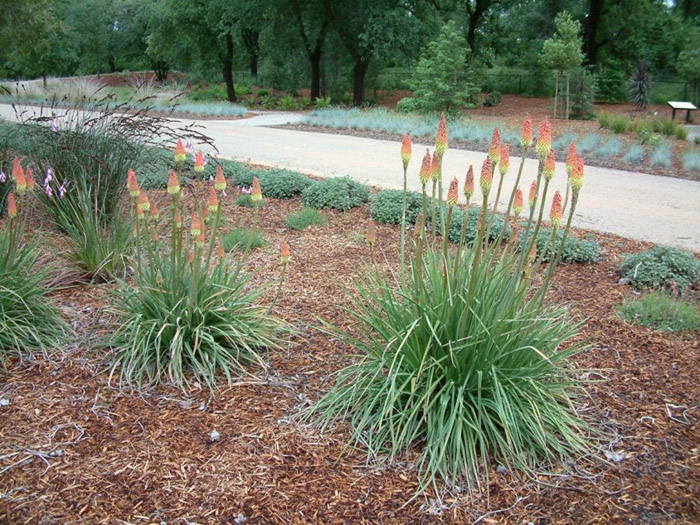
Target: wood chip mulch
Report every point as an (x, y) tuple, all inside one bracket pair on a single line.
[(75, 448)]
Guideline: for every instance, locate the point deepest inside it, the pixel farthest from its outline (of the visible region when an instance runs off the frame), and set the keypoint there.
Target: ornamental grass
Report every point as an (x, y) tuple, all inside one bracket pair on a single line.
[(459, 357), (191, 313)]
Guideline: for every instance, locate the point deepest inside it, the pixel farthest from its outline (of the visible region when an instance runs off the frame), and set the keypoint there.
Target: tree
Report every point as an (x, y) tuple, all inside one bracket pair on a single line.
[(688, 62), (563, 52), (312, 21)]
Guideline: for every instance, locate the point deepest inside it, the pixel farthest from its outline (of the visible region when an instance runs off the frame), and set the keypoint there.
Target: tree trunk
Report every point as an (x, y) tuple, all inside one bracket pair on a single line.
[(591, 30), (315, 59), (254, 66), (474, 15), (358, 84), (227, 70)]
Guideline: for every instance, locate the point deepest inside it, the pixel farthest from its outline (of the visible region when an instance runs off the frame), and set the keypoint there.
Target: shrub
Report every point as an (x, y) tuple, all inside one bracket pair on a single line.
[(243, 238), (304, 218), (276, 184), (340, 193), (691, 160), (661, 156), (458, 354), (322, 102), (615, 122), (661, 267), (608, 148), (661, 311), (583, 84), (288, 103), (187, 309), (640, 86), (635, 154), (681, 133), (387, 206), (493, 99), (574, 251)]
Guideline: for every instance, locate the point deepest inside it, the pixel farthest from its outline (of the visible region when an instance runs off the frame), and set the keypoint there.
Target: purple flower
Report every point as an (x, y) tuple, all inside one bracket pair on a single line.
[(49, 176), (188, 146), (3, 177), (62, 190), (245, 190), (54, 128), (49, 192)]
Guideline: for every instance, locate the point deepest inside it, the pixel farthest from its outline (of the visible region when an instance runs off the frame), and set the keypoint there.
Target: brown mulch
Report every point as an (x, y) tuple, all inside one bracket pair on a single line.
[(76, 449)]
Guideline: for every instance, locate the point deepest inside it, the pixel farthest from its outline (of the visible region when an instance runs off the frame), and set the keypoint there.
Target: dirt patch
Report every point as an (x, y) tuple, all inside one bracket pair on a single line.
[(74, 448)]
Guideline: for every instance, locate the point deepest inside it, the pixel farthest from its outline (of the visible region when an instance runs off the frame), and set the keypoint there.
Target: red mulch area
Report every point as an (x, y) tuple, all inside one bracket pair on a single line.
[(76, 449)]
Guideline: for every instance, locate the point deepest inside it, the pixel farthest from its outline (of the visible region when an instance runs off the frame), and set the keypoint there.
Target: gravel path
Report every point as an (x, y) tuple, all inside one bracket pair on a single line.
[(635, 205)]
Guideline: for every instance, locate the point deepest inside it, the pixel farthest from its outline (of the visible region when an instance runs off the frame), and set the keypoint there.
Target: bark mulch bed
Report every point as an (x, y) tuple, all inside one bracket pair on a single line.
[(76, 449)]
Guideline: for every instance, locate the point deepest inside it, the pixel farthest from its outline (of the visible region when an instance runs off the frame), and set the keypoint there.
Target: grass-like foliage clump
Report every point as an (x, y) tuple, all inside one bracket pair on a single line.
[(28, 321), (341, 193), (661, 267), (575, 250), (304, 218), (191, 313), (242, 239), (661, 311), (459, 356)]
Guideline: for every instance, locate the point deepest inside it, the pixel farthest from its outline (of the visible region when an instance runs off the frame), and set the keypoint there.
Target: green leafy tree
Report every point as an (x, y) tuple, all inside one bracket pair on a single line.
[(442, 79), (688, 62)]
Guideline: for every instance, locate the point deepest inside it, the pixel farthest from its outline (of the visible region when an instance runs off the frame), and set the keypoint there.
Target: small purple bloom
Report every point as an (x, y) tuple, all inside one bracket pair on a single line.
[(188, 146), (245, 190), (54, 128), (62, 190), (3, 177), (49, 191), (49, 176)]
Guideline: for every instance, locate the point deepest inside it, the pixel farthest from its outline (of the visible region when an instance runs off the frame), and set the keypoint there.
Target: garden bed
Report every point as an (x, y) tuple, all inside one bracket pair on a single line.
[(74, 448)]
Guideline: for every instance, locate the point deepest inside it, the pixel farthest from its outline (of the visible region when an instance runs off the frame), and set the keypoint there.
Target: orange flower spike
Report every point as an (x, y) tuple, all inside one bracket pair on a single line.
[(549, 165), (11, 206), (441, 141), (155, 214), (285, 253), (143, 202), (435, 167), (486, 177), (30, 179), (526, 137), (256, 191), (406, 150), (532, 198), (219, 180), (495, 148), (180, 152), (205, 214), (469, 184), (518, 202), (139, 213), (173, 184), (201, 240), (371, 233), (196, 226), (424, 173), (571, 157), (199, 162), (576, 179), (18, 176), (544, 139), (213, 200), (504, 162), (178, 220), (132, 184), (556, 212), (453, 193)]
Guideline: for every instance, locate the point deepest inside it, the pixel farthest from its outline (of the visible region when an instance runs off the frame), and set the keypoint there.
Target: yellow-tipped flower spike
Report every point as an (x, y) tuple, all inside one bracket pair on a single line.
[(424, 173), (571, 157), (526, 137), (140, 213), (180, 152), (549, 165), (576, 179), (441, 141), (544, 139), (178, 220), (11, 206), (406, 150), (469, 184), (371, 233), (557, 211), (495, 148), (435, 167), (143, 202), (196, 226), (18, 176), (132, 184), (201, 240), (213, 200), (30, 179), (285, 253), (155, 214), (532, 198), (518, 202), (219, 180), (205, 215), (504, 162), (533, 253), (199, 162), (173, 184), (486, 177), (453, 192), (256, 191)]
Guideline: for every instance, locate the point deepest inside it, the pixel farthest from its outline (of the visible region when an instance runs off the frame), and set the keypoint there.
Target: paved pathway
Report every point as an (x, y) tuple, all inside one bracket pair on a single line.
[(639, 206)]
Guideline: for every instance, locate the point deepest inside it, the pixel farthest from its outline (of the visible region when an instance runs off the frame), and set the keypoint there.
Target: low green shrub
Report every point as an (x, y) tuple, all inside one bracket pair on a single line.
[(322, 102), (661, 267), (339, 193), (303, 218), (681, 133), (386, 206), (242, 239), (575, 250), (276, 184), (661, 311), (288, 103), (493, 99)]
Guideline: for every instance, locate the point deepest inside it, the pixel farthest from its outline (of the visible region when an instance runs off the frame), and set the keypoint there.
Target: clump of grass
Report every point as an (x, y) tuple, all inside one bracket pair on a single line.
[(608, 148), (304, 218), (661, 311), (691, 160), (635, 154), (682, 133), (615, 122), (661, 155), (243, 239)]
